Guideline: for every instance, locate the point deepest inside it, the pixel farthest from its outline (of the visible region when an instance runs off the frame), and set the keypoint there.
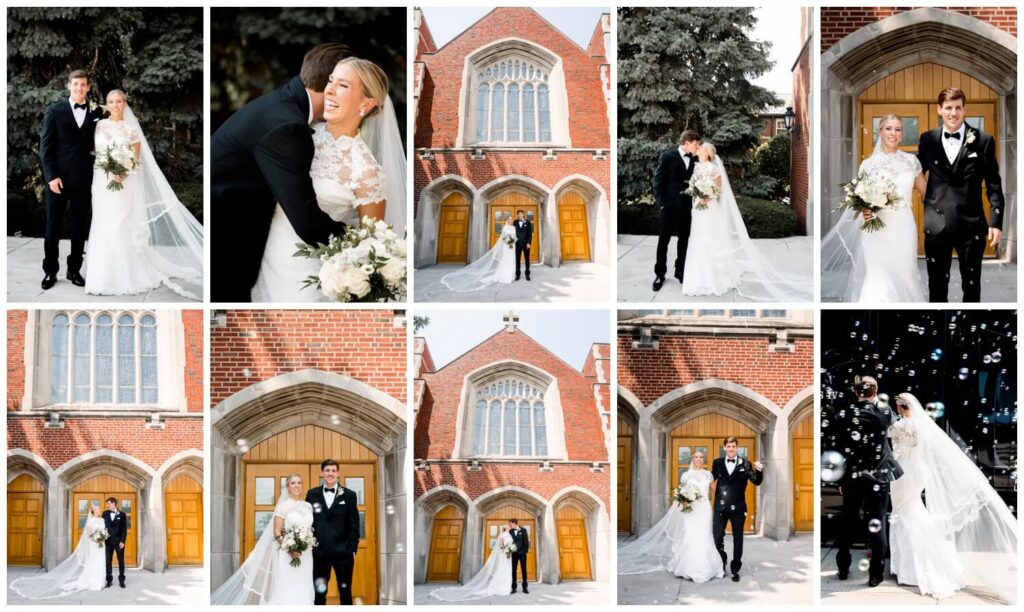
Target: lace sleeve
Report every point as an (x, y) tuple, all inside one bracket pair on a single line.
[(903, 434), (366, 178), (133, 135), (915, 164)]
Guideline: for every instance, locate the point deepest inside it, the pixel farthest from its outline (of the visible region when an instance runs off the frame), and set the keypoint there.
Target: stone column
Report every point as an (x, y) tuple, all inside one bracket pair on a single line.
[(421, 534), (151, 527), (56, 531), (472, 544), (551, 249), (776, 505), (600, 222), (225, 511), (425, 230), (394, 494), (546, 541), (603, 538), (837, 145), (479, 227)]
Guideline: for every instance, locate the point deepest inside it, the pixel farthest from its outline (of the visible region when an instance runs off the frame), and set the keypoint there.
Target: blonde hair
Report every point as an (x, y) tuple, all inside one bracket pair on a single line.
[(373, 79), (887, 118), (709, 148), (288, 481), (124, 96)]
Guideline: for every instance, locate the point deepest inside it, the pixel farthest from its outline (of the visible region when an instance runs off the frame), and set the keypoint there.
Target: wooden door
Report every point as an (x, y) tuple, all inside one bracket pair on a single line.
[(803, 475), (446, 545), (498, 519), (94, 492), (911, 93), (624, 477), (706, 433), (572, 225), (300, 451), (573, 548), (183, 504), (505, 206), (453, 233), (25, 512)]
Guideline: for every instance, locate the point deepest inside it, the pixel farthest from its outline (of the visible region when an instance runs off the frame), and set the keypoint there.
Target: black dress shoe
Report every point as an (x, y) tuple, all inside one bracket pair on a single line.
[(874, 581), (76, 279), (527, 278), (843, 574), (735, 577), (108, 585), (49, 281), (513, 592), (517, 277), (122, 585), (525, 592), (658, 283), (679, 276)]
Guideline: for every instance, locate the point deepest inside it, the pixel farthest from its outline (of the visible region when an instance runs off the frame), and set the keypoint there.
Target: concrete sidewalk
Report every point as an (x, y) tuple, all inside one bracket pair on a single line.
[(774, 573), (178, 586), (567, 593), (570, 282)]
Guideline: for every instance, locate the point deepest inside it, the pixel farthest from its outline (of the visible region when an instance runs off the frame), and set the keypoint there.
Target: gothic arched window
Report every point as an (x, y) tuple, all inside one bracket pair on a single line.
[(513, 102), (509, 418)]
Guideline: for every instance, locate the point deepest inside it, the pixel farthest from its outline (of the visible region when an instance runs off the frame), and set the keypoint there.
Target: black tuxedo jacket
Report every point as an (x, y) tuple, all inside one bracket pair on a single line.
[(117, 528), (864, 429), (731, 489), (524, 233), (521, 538), (953, 198), (261, 157), (671, 179), (65, 149), (337, 527)]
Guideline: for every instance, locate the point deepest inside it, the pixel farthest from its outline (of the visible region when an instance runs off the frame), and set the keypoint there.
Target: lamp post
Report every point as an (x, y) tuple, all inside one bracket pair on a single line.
[(788, 118)]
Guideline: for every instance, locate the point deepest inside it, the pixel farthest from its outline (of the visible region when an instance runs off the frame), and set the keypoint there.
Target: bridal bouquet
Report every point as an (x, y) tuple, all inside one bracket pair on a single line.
[(702, 189), (871, 191), (510, 240), (100, 536), (687, 494), (509, 549), (297, 539), (117, 160), (366, 264)]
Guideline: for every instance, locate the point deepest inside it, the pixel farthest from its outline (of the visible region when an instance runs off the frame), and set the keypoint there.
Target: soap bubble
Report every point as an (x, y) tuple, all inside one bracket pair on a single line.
[(833, 466), (874, 525), (863, 565), (320, 585)]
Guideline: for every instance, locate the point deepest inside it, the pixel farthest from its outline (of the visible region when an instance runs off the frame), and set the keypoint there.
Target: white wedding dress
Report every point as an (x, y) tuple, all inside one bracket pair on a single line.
[(267, 577), (681, 543), (84, 570), (720, 256), (496, 266), (141, 236), (879, 266), (962, 534), (493, 578)]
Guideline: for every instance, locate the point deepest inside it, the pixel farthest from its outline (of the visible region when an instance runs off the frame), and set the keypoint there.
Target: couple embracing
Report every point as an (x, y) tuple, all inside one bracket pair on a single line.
[(308, 538), (689, 541), (509, 553)]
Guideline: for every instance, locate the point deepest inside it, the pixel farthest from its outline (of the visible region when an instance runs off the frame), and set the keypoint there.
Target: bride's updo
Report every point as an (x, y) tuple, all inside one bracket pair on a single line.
[(709, 150), (373, 79)]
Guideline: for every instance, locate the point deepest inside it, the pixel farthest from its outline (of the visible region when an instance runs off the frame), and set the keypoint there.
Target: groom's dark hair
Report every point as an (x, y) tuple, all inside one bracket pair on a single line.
[(688, 136), (952, 93), (866, 386), (78, 74), (112, 500), (327, 462), (513, 521), (319, 63), (730, 439)]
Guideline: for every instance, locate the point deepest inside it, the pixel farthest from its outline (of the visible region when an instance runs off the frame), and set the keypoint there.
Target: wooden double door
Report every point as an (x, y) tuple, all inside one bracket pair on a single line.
[(183, 504), (507, 205), (25, 514), (299, 451), (445, 557), (497, 519), (911, 94), (624, 477), (802, 450), (573, 546), (453, 230), (94, 492), (572, 227)]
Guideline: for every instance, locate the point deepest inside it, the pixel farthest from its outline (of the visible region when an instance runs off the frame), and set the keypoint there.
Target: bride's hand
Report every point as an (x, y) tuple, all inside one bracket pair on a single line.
[(868, 215), (295, 554), (118, 178)]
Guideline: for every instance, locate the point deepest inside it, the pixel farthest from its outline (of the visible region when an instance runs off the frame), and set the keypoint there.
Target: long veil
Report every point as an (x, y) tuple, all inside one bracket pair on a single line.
[(384, 139), (478, 274), (652, 551), (477, 586), (966, 509), (251, 584), (761, 280), (165, 233), (48, 585)]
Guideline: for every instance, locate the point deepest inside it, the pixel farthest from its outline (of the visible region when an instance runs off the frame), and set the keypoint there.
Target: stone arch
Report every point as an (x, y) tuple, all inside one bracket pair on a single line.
[(21, 461), (598, 212), (629, 408), (186, 463), (547, 224), (105, 462), (924, 35), (426, 506), (428, 214), (800, 406), (598, 524)]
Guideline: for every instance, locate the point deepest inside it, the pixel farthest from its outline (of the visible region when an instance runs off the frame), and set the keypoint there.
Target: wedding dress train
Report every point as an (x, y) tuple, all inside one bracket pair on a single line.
[(493, 578), (496, 266), (84, 570)]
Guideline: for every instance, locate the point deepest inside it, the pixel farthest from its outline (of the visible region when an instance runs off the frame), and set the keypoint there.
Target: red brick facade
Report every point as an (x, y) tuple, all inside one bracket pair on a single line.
[(16, 357), (363, 344), (838, 22), (800, 163)]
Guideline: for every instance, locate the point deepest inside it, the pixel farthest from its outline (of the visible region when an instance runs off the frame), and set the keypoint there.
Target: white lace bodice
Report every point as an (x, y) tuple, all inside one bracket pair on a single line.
[(92, 524), (296, 513), (903, 434), (700, 477), (706, 169), (111, 133), (345, 174)]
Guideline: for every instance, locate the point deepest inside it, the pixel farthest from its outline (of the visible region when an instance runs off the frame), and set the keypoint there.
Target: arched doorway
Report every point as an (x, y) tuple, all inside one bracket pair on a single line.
[(506, 205), (446, 538), (453, 229), (573, 226), (498, 518), (573, 544), (25, 516), (624, 475), (94, 492), (802, 443), (299, 450), (911, 94), (183, 505)]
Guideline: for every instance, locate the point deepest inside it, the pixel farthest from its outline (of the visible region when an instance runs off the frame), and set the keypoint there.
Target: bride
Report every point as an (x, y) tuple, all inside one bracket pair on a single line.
[(267, 576), (965, 535), (496, 266), (492, 579), (720, 255), (681, 542), (84, 570), (358, 171), (141, 236), (880, 266)]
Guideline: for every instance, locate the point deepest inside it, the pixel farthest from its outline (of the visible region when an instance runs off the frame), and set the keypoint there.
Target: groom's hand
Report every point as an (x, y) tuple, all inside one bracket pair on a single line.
[(121, 545), (758, 466), (56, 185), (994, 236)]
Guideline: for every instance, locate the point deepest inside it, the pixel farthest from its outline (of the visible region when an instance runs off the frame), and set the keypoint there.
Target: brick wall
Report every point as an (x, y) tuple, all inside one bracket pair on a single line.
[(192, 321), (838, 22), (15, 357), (362, 344), (527, 476), (799, 171)]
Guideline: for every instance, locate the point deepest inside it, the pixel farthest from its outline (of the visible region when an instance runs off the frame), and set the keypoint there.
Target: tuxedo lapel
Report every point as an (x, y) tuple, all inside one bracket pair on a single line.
[(963, 153)]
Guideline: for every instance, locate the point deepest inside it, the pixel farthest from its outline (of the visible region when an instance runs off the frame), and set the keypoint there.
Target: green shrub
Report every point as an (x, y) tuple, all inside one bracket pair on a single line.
[(191, 195), (772, 159), (763, 218)]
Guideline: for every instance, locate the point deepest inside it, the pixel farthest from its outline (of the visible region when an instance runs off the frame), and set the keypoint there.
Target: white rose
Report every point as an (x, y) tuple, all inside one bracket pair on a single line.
[(398, 248), (357, 281), (393, 270), (358, 254), (364, 233), (333, 283), (367, 268), (380, 227)]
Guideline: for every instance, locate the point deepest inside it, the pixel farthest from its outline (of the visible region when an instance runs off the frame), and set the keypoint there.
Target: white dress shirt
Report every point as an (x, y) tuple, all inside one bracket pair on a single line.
[(952, 145), (686, 159), (309, 121), (78, 112), (329, 495), (730, 467)]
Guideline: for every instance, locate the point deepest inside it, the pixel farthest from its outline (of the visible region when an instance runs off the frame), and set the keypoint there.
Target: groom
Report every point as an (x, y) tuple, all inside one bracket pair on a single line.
[(870, 468), (260, 158), (731, 474), (336, 525), (65, 150), (116, 524), (521, 538), (524, 238), (671, 179), (958, 159)]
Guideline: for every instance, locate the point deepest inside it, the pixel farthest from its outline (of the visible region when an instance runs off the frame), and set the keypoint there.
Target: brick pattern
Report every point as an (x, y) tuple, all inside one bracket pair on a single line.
[(527, 476), (838, 22), (800, 164), (362, 344), (192, 321), (684, 359), (15, 357)]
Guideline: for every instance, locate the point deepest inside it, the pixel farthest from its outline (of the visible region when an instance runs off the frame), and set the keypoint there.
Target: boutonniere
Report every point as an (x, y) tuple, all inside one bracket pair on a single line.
[(342, 502), (970, 137), (92, 106)]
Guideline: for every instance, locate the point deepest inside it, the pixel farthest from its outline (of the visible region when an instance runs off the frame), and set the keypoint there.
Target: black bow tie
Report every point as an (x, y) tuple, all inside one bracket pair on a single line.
[(81, 106), (953, 135), (335, 491), (730, 461)]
